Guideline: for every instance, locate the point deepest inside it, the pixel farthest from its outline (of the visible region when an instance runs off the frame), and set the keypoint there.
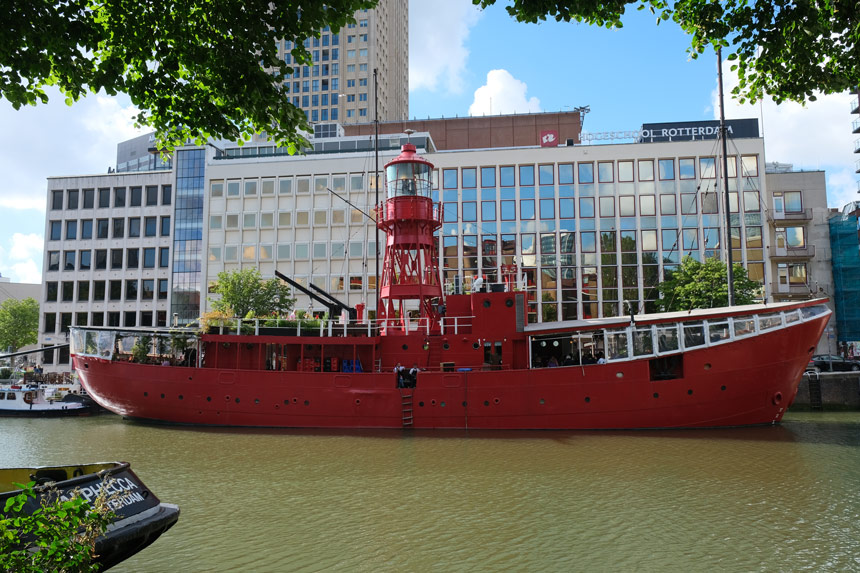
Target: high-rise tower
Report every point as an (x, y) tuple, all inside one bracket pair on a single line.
[(339, 86)]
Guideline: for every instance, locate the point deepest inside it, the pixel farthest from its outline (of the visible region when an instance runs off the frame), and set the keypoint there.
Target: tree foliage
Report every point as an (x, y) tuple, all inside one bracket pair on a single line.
[(785, 48), (195, 69), (705, 285), (19, 323), (59, 536), (244, 293)]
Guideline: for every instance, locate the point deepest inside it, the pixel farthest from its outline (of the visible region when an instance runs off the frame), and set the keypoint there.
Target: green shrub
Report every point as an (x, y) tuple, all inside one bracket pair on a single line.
[(59, 536)]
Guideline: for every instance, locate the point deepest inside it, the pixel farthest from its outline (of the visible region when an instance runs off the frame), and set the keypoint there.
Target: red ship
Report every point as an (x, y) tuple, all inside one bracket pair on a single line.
[(476, 362)]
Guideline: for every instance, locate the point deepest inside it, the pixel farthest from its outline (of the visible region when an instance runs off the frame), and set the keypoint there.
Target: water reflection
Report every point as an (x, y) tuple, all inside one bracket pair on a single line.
[(764, 498)]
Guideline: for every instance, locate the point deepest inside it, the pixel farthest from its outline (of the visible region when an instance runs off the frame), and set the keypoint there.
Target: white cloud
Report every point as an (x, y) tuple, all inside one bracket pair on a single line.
[(56, 139), (19, 262), (815, 136), (438, 31), (503, 94)]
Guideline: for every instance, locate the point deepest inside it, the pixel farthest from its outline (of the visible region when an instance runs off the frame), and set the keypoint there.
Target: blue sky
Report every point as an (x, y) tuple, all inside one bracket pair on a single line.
[(462, 61)]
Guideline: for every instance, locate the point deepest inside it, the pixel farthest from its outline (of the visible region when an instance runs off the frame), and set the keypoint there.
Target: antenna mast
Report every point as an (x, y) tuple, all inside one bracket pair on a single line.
[(723, 136)]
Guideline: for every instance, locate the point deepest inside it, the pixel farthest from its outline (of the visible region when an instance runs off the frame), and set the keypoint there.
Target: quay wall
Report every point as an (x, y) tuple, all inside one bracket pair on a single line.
[(836, 390)]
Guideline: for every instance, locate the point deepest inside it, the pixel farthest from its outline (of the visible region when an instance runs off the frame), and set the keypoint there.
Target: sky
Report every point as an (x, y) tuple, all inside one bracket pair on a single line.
[(462, 61)]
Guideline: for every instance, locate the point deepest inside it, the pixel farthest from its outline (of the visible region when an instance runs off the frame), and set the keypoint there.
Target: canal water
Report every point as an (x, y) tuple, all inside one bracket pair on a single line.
[(781, 498)]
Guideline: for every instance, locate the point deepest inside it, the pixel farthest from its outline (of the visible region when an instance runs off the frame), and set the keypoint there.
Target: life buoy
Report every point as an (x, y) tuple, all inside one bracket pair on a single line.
[(28, 397)]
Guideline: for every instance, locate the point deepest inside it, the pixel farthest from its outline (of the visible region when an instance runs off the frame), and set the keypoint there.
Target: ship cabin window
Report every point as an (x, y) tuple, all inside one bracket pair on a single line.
[(553, 350), (616, 344), (694, 334), (10, 395), (408, 179), (744, 326), (718, 331), (643, 342), (768, 321), (667, 338)]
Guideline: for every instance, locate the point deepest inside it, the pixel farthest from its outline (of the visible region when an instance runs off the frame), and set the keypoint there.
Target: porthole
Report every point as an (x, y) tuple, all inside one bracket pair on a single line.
[(237, 400), (432, 402), (486, 402), (509, 303), (181, 397), (286, 402), (464, 403), (542, 401), (446, 346), (707, 365), (162, 395), (256, 400), (307, 403), (486, 303), (690, 392), (146, 393), (357, 402), (619, 374), (723, 388), (656, 395), (405, 347), (421, 404), (587, 399), (208, 398), (476, 346), (442, 404), (496, 400)]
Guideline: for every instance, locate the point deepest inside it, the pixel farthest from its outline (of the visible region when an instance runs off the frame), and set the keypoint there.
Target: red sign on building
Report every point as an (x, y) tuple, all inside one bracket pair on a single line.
[(549, 138)]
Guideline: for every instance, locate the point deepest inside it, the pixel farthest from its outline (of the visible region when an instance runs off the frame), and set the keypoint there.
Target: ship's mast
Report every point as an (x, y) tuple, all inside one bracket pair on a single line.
[(725, 169)]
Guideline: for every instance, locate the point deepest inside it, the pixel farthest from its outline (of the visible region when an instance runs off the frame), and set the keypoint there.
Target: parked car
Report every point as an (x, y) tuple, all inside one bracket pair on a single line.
[(832, 363)]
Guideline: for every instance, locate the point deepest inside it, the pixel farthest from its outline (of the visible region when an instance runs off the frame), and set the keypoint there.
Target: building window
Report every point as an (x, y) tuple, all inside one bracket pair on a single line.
[(119, 197), (86, 229), (131, 289), (71, 230), (162, 291), (98, 291), (56, 233), (57, 200), (89, 198), (165, 226), (134, 227), (166, 194), (132, 258), (115, 259), (84, 260), (68, 291), (164, 257), (68, 260), (149, 258), (150, 226), (147, 289), (151, 195), (136, 195), (104, 198), (115, 290), (118, 228), (102, 228)]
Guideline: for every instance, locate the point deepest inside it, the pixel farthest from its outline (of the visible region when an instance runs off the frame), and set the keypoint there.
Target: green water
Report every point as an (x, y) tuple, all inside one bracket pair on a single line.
[(757, 499)]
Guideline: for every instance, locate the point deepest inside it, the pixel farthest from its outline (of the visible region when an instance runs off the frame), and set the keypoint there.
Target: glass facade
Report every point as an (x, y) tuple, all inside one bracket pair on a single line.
[(188, 235)]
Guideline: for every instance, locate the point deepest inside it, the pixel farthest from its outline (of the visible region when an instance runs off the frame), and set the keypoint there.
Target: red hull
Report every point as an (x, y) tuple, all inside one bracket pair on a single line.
[(742, 382)]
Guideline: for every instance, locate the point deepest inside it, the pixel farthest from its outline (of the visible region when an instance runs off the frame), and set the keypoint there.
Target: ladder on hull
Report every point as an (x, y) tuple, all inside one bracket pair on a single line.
[(406, 406)]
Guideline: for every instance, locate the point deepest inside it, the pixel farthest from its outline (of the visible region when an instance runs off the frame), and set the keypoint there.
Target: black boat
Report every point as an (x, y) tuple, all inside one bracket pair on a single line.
[(140, 517)]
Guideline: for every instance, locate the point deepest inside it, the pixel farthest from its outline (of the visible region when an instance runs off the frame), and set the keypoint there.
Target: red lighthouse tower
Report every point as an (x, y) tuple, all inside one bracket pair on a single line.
[(408, 217)]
